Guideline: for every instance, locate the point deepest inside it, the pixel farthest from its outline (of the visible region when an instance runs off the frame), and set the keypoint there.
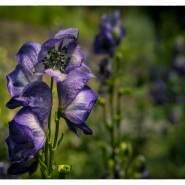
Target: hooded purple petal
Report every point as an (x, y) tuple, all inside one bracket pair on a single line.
[(71, 31), (86, 130), (16, 81), (27, 58), (25, 165), (25, 72), (26, 137), (75, 81), (79, 109), (75, 55), (36, 95), (61, 54)]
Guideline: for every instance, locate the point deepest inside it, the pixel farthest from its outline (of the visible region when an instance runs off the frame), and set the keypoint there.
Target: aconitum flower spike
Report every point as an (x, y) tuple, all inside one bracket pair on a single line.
[(110, 35), (77, 111), (25, 72), (113, 24), (60, 54), (38, 97)]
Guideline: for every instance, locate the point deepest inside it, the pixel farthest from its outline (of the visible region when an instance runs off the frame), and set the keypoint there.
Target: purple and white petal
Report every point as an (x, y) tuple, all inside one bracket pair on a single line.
[(75, 55), (32, 127), (79, 109), (16, 81), (70, 87), (27, 58), (56, 74), (25, 165), (46, 46), (69, 31), (73, 127), (36, 95)]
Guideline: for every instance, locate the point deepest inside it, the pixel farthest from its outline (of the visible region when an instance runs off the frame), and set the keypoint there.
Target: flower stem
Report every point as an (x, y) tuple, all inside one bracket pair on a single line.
[(48, 140)]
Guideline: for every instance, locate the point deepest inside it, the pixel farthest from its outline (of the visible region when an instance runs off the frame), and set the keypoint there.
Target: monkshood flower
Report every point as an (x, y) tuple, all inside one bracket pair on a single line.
[(114, 25), (159, 92), (38, 97), (104, 43), (27, 130), (29, 165), (25, 72), (75, 110), (60, 54), (111, 34)]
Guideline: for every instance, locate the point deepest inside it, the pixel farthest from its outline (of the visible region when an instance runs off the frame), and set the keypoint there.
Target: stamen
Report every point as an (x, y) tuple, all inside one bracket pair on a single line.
[(56, 60)]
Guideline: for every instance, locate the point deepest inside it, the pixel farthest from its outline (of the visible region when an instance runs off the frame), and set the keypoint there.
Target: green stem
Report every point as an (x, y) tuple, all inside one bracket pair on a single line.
[(48, 140), (57, 119)]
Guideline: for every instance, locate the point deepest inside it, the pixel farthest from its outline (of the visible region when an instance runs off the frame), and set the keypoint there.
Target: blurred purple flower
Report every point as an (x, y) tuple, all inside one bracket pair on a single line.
[(111, 34), (75, 110), (60, 54), (25, 71), (113, 24), (104, 43), (28, 128), (159, 92)]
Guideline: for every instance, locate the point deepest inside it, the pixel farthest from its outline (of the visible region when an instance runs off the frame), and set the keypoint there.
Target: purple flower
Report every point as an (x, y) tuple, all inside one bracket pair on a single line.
[(113, 25), (28, 128), (60, 54), (111, 34), (25, 71), (25, 165), (75, 110), (159, 92), (26, 136), (104, 43), (38, 97)]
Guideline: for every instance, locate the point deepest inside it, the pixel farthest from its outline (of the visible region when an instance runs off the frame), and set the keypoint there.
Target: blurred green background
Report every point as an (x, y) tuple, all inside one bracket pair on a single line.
[(151, 33)]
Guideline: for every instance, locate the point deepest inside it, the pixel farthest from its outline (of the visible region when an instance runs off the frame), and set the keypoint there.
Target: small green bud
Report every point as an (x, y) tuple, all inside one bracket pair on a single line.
[(117, 117), (64, 170), (60, 112), (111, 164), (119, 56), (123, 91), (140, 163), (126, 149), (101, 101)]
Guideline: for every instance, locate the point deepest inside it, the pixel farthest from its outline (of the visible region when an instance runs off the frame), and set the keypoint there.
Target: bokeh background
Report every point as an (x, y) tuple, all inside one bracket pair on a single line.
[(153, 52)]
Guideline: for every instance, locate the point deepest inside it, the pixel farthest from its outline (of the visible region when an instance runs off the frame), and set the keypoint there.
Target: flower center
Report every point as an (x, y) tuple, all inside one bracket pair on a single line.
[(56, 60)]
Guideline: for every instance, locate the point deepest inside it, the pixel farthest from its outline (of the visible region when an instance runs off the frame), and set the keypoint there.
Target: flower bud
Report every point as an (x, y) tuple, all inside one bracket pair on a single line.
[(101, 101), (111, 164), (123, 91), (126, 149), (119, 56), (64, 170)]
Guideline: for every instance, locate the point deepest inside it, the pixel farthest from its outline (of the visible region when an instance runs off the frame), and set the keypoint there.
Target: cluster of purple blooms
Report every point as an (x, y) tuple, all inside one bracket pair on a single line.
[(166, 86), (61, 58), (110, 36)]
